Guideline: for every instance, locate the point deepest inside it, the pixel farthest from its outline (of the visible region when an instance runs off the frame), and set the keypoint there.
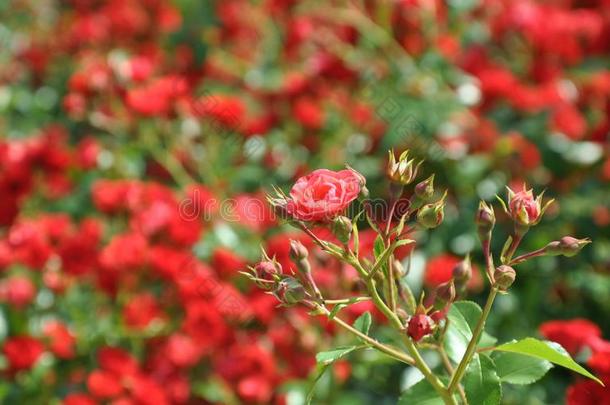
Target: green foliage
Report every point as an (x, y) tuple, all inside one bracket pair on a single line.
[(481, 382), (545, 350), (520, 369)]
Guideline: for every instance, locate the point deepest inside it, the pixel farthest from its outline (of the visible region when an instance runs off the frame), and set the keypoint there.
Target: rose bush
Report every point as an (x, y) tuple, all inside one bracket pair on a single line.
[(138, 140)]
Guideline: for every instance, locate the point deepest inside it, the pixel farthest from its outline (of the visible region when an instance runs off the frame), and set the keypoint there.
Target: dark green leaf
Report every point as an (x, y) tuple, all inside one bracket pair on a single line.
[(516, 368)]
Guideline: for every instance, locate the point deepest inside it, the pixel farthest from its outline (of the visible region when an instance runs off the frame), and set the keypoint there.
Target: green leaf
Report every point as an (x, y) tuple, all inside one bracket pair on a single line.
[(379, 246), (463, 317), (514, 368), (336, 310), (334, 354), (363, 323), (322, 369), (421, 393), (545, 350), (481, 382)]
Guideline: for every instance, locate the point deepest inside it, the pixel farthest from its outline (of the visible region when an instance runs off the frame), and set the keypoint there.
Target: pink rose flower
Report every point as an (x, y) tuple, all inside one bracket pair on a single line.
[(323, 194), (524, 206)]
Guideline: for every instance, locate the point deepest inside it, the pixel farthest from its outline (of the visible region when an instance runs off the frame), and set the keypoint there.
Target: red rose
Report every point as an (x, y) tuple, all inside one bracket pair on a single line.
[(103, 384), (439, 270), (61, 340), (323, 194), (78, 399), (573, 334), (589, 393), (22, 352)]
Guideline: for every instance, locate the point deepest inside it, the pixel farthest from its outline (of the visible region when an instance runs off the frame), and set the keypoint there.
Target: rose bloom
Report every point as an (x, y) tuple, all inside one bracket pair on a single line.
[(572, 334), (439, 270), (323, 194), (586, 392), (22, 352)]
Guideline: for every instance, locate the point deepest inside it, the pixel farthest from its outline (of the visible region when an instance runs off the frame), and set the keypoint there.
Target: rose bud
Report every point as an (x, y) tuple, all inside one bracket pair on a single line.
[(432, 215), (268, 271), (403, 171), (278, 203), (523, 208), (425, 190), (445, 294), (419, 326), (290, 291), (297, 250), (504, 277), (438, 316), (485, 219), (462, 272), (342, 229), (566, 246), (298, 254)]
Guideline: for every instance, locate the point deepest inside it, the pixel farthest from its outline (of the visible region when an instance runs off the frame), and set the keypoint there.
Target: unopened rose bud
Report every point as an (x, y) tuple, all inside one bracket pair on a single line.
[(504, 277), (438, 316), (462, 272), (278, 203), (290, 291), (420, 325), (342, 229), (268, 270), (566, 246), (485, 220), (432, 215), (297, 250), (445, 294), (403, 171), (425, 190), (523, 208)]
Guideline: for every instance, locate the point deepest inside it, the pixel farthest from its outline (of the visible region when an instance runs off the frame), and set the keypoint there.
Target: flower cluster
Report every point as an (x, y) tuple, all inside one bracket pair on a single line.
[(324, 197)]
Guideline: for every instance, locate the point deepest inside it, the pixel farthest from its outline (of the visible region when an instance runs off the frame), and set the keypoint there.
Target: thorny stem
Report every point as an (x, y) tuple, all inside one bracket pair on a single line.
[(472, 345)]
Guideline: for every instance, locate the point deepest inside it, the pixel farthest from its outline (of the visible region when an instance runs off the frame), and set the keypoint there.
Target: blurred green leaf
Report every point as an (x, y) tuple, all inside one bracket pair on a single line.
[(363, 323), (329, 356)]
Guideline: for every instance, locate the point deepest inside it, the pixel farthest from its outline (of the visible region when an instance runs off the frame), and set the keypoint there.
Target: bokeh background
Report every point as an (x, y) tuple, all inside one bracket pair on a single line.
[(138, 137)]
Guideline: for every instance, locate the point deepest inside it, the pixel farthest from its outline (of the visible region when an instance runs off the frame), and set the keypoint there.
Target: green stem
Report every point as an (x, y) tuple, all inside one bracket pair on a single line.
[(472, 345), (390, 351), (436, 383), (450, 370), (347, 300), (526, 256)]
